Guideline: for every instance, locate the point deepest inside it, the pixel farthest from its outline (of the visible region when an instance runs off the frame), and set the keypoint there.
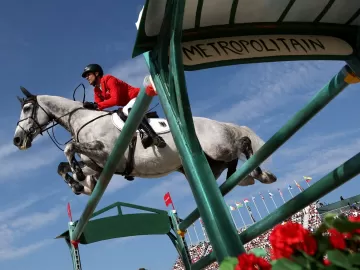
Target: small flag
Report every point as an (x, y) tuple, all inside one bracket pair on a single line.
[(289, 187), (69, 211), (280, 191), (307, 178), (262, 197), (270, 194), (238, 205), (297, 184), (246, 201), (168, 200), (253, 198), (232, 208)]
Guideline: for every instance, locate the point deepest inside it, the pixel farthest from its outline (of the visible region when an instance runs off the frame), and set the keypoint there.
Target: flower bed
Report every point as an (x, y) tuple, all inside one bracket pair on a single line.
[(334, 245)]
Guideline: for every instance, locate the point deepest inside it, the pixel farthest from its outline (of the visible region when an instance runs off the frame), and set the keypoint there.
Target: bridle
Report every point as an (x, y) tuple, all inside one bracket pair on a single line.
[(41, 128)]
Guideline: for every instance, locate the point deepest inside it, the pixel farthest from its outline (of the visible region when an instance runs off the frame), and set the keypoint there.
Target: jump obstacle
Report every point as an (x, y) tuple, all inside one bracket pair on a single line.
[(178, 35)]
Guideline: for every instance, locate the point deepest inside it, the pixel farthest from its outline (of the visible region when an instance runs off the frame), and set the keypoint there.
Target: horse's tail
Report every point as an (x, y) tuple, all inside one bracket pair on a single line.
[(256, 141)]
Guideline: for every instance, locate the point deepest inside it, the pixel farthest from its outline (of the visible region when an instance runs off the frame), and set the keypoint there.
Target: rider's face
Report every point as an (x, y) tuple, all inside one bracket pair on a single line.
[(91, 78)]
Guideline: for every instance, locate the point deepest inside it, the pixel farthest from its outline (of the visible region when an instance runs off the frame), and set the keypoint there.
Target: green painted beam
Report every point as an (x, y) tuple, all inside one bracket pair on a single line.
[(319, 101), (135, 116)]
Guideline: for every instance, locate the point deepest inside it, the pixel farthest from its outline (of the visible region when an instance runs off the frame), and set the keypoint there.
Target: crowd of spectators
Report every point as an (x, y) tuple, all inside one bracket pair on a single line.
[(308, 217)]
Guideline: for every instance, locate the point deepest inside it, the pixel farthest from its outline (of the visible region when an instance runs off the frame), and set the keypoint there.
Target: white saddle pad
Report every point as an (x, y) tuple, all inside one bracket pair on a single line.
[(159, 125)]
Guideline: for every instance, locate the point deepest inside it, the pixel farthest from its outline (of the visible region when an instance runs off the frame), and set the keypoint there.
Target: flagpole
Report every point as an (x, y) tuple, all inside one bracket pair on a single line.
[(271, 196), (190, 238), (281, 195), (273, 201), (204, 231), (292, 196), (256, 206), (299, 187), (232, 217), (241, 216), (248, 212), (196, 234), (263, 199)]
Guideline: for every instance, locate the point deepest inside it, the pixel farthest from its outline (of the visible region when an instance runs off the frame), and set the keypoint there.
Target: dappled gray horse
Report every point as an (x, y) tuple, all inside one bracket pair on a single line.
[(94, 134)]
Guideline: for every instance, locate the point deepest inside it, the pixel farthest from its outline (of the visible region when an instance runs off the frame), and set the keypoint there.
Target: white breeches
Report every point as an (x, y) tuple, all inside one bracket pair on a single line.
[(128, 106)]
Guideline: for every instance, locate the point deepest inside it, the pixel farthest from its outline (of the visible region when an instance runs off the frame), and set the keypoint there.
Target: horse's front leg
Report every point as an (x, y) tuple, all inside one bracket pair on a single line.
[(88, 149), (85, 187)]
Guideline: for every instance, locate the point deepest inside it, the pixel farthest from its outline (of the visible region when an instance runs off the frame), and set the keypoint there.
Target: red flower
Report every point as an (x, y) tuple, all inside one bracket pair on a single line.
[(248, 261), (289, 237), (355, 219), (337, 239), (326, 262)]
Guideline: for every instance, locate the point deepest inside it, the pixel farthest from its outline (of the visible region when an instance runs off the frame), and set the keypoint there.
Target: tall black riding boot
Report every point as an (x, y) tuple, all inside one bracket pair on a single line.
[(156, 139)]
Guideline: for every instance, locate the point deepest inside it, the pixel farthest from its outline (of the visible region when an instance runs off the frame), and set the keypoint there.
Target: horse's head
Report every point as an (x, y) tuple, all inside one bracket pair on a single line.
[(33, 120)]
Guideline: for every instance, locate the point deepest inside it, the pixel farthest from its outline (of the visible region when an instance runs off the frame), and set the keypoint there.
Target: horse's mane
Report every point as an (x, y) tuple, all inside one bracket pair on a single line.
[(63, 99)]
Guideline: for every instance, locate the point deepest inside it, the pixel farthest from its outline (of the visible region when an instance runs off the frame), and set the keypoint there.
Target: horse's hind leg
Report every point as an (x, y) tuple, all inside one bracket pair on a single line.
[(84, 187), (264, 177), (231, 169)]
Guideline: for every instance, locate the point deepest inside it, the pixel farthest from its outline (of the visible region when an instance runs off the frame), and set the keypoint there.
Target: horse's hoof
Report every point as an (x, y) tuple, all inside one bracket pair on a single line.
[(269, 178), (80, 176), (159, 142)]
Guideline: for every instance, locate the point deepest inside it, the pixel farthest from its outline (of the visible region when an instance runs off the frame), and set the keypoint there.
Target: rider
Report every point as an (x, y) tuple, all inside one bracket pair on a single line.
[(110, 91)]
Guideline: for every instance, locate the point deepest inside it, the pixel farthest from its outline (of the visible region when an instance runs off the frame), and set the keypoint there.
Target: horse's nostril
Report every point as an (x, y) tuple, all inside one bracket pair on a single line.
[(17, 141)]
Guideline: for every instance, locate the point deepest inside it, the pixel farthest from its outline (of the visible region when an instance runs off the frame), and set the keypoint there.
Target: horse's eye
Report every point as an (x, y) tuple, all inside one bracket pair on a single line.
[(26, 109)]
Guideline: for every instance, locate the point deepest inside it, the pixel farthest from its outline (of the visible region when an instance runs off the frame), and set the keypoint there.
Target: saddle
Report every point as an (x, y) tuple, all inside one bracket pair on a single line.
[(159, 126)]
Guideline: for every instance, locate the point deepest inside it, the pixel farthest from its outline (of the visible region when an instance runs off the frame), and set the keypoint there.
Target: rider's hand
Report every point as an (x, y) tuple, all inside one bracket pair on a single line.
[(90, 105)]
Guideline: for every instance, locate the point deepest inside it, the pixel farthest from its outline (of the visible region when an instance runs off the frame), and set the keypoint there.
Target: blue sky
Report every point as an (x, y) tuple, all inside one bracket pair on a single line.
[(45, 46)]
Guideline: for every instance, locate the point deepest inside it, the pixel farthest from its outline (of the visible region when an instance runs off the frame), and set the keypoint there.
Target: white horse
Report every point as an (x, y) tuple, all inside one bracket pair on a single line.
[(94, 134)]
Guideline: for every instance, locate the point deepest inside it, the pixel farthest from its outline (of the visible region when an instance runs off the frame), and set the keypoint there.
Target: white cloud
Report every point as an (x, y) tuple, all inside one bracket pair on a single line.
[(9, 253), (19, 162), (279, 84), (131, 71), (36, 220), (16, 223), (310, 143), (117, 182)]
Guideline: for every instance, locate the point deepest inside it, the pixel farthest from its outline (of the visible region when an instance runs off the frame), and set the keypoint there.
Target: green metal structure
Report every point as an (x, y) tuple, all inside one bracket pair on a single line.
[(179, 35)]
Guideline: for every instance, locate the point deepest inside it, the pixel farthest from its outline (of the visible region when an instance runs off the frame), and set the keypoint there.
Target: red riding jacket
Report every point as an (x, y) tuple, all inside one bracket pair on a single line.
[(114, 92)]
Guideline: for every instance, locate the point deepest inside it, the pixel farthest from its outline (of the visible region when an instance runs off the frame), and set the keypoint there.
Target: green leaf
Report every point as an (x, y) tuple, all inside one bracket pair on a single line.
[(329, 219), (323, 244), (300, 260), (321, 229), (354, 259), (338, 258), (342, 224), (258, 252), (229, 263), (312, 259), (285, 264)]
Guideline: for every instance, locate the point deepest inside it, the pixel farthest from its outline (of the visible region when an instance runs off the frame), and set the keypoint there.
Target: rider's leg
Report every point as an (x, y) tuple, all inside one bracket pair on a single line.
[(152, 136)]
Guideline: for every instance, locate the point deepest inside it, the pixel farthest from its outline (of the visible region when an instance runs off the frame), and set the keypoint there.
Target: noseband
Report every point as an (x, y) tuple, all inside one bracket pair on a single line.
[(40, 128)]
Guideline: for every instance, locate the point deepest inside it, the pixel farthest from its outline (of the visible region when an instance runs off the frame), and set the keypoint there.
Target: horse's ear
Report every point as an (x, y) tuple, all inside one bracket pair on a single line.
[(26, 92), (21, 100)]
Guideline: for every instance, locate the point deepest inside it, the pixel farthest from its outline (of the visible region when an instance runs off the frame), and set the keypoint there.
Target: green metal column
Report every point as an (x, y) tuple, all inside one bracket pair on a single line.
[(319, 101), (216, 216), (135, 116)]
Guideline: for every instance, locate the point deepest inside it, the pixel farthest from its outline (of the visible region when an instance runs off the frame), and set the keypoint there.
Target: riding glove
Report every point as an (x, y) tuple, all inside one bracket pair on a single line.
[(90, 105)]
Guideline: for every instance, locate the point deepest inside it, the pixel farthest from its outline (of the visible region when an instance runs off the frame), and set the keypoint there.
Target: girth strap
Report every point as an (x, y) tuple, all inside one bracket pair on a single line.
[(130, 160)]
